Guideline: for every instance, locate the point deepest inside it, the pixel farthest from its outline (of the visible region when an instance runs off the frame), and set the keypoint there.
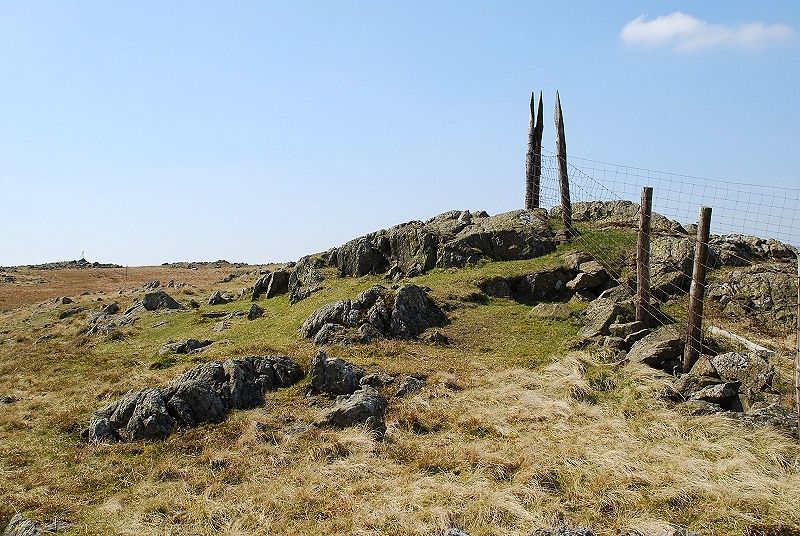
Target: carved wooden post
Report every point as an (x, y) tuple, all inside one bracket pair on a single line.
[(563, 179), (533, 158), (643, 257), (694, 330)]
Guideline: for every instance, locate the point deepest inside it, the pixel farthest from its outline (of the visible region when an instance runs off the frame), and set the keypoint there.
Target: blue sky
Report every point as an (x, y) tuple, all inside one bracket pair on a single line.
[(147, 132)]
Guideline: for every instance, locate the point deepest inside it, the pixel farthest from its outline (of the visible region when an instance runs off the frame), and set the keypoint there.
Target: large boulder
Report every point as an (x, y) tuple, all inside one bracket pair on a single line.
[(600, 315), (663, 348), (405, 315), (203, 394), (159, 300), (333, 376), (272, 284), (364, 407), (413, 313), (766, 294)]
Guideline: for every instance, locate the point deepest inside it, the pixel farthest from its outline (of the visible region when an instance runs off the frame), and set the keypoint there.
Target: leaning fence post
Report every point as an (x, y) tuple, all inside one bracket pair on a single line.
[(694, 331), (533, 158), (643, 257), (563, 179)]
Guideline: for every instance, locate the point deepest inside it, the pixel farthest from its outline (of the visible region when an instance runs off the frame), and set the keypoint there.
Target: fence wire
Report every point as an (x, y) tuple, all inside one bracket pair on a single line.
[(739, 210)]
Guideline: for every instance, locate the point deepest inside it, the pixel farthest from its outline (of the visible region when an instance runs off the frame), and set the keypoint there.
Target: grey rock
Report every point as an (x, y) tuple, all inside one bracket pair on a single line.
[(562, 531), (616, 214), (701, 407), (333, 376), (636, 336), (255, 311), (456, 532), (413, 313), (575, 259), (436, 338), (111, 308), (152, 285), (409, 385), (64, 300), (70, 312), (623, 330), (327, 334), (221, 326), (600, 314), (659, 348), (203, 394), (377, 380), (272, 284), (543, 285), (184, 347), (560, 311), (364, 407), (217, 298), (159, 300), (753, 372), (21, 526)]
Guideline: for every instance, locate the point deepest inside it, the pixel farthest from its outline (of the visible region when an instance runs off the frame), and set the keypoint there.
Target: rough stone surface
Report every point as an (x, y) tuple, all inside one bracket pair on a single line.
[(256, 311), (752, 371), (616, 214), (600, 314), (409, 385), (559, 311), (21, 526), (203, 394), (659, 349), (364, 407), (403, 315), (333, 376), (452, 239), (377, 379), (159, 300), (272, 284), (562, 531), (184, 347), (217, 298), (542, 286)]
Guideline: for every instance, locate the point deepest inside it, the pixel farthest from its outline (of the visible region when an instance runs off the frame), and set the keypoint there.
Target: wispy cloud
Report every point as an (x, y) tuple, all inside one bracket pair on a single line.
[(683, 32)]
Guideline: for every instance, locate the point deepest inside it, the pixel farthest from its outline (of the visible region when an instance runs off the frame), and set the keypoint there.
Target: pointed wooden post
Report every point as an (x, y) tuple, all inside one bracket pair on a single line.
[(643, 257), (694, 331), (533, 158), (563, 178)]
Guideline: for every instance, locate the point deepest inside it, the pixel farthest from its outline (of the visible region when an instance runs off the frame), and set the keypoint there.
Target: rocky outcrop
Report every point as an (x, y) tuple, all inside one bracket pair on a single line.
[(364, 407), (306, 277), (333, 376), (616, 213), (452, 239), (203, 394), (272, 284), (766, 294), (159, 299), (548, 284), (217, 298), (376, 312)]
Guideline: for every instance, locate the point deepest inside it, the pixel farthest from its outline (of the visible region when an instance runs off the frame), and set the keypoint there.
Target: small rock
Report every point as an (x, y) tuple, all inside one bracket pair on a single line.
[(659, 348), (217, 299), (366, 406), (21, 526), (70, 312), (256, 311), (377, 380), (562, 531), (436, 338), (409, 385), (623, 330), (600, 314), (65, 300), (560, 311), (111, 309), (159, 300), (221, 325)]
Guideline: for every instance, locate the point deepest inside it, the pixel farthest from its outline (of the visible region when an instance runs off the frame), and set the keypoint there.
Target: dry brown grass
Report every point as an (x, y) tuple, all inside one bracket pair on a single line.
[(512, 432)]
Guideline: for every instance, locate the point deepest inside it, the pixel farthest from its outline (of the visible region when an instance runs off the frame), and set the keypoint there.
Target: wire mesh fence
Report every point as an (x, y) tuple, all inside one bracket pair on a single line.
[(752, 261)]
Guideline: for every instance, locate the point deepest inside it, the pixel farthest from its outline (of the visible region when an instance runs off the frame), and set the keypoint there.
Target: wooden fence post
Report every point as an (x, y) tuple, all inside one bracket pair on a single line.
[(533, 158), (643, 257), (694, 330), (563, 178), (797, 354)]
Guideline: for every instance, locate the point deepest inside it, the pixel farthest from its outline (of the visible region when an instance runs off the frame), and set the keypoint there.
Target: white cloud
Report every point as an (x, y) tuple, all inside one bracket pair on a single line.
[(686, 33)]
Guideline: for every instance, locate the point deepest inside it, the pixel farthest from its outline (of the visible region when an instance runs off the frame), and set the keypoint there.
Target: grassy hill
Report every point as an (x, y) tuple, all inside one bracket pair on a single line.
[(514, 430)]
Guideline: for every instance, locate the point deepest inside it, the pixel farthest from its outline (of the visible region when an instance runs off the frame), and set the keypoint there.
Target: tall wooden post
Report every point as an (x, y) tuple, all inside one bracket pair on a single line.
[(694, 330), (643, 257), (533, 158), (563, 179), (797, 354)]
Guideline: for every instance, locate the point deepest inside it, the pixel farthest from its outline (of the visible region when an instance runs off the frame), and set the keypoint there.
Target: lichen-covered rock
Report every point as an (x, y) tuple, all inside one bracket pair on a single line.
[(615, 214), (272, 284), (600, 314), (364, 407), (203, 394), (410, 313), (333, 376), (21, 526), (409, 385), (663, 348), (548, 284), (752, 371), (159, 300)]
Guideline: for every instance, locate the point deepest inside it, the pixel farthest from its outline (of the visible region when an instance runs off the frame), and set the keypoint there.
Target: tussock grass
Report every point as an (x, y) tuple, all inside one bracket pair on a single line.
[(512, 431)]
